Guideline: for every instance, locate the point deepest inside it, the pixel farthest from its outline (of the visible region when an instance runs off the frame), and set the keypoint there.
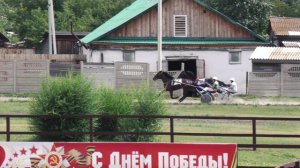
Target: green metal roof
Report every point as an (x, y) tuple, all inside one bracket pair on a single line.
[(178, 41), (139, 7)]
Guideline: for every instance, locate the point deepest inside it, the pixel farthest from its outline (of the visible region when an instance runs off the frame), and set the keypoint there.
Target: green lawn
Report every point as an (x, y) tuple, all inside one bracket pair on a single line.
[(261, 157)]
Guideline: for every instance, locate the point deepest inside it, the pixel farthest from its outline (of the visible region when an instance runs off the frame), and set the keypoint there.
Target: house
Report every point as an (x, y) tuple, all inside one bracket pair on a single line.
[(285, 31), (196, 37), (275, 72), (66, 43), (3, 40)]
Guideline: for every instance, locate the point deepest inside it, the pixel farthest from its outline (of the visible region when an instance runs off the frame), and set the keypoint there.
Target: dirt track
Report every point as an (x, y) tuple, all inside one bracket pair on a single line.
[(194, 101), (240, 101), (14, 99)]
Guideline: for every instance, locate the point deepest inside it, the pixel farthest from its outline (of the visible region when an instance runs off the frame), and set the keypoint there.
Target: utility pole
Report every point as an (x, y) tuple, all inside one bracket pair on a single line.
[(159, 35), (51, 28)]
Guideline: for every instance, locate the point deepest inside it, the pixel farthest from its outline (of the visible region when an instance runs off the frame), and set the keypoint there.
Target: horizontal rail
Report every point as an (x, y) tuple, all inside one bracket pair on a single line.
[(154, 116)]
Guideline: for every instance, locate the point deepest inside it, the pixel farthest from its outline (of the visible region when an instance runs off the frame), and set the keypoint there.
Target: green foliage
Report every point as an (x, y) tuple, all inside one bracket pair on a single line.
[(253, 14), (86, 15), (3, 19), (288, 8), (30, 17), (138, 101), (63, 96)]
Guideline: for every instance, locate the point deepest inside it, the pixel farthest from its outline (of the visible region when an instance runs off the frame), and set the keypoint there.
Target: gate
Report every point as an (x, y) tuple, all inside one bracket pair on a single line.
[(100, 74), (131, 74)]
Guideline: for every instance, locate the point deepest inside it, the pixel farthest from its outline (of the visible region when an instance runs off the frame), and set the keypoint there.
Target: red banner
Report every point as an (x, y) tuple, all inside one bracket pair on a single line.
[(116, 155)]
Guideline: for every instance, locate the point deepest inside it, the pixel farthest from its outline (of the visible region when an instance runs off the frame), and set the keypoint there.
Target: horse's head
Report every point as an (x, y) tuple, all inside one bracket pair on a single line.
[(164, 76), (158, 75)]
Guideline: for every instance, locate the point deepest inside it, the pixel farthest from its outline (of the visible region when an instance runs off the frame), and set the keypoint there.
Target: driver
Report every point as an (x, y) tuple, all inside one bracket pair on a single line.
[(214, 87), (232, 86), (216, 84)]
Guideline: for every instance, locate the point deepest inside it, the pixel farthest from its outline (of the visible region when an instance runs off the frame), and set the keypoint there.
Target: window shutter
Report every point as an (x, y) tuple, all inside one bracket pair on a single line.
[(180, 26)]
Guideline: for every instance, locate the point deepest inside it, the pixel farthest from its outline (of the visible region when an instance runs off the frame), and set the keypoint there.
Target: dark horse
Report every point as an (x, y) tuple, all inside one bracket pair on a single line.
[(169, 84), (186, 81)]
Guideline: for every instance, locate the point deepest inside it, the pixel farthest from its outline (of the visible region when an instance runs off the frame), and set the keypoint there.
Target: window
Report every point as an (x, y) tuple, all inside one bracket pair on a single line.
[(128, 56), (180, 26), (235, 57)]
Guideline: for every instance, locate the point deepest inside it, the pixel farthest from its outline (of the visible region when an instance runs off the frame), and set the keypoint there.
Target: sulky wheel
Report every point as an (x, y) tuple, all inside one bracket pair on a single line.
[(206, 98)]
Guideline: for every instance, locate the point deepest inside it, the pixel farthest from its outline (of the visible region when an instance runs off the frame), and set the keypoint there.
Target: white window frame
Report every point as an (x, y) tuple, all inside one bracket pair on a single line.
[(185, 26), (232, 54), (126, 56)]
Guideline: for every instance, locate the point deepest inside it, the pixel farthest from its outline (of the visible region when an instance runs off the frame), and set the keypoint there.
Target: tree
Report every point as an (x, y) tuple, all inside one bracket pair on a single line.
[(30, 21), (4, 22), (88, 14), (253, 14), (288, 8)]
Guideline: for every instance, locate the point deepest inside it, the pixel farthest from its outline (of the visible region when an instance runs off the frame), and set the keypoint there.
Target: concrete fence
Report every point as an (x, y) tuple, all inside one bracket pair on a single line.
[(99, 74), (284, 83), (26, 76), (16, 51), (22, 76), (61, 58), (117, 75)]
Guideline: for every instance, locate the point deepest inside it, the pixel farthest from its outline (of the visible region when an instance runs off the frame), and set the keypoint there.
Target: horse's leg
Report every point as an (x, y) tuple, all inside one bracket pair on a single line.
[(171, 89), (171, 95), (184, 95), (182, 98)]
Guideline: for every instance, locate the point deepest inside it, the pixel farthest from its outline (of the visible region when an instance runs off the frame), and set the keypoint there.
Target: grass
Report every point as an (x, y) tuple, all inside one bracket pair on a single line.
[(247, 157), (17, 94), (14, 107)]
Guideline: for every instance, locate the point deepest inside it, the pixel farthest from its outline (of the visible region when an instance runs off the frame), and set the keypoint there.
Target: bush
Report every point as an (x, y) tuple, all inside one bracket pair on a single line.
[(111, 102), (63, 96), (137, 101)]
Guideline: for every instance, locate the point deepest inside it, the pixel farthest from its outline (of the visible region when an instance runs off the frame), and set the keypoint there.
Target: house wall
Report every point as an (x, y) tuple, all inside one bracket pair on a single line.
[(216, 62), (65, 45), (201, 22)]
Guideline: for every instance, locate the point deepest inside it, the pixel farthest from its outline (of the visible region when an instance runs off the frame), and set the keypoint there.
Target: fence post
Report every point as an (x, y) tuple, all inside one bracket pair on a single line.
[(48, 69), (172, 129), (81, 68), (281, 79), (247, 82), (7, 128), (91, 129), (15, 75), (254, 134)]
